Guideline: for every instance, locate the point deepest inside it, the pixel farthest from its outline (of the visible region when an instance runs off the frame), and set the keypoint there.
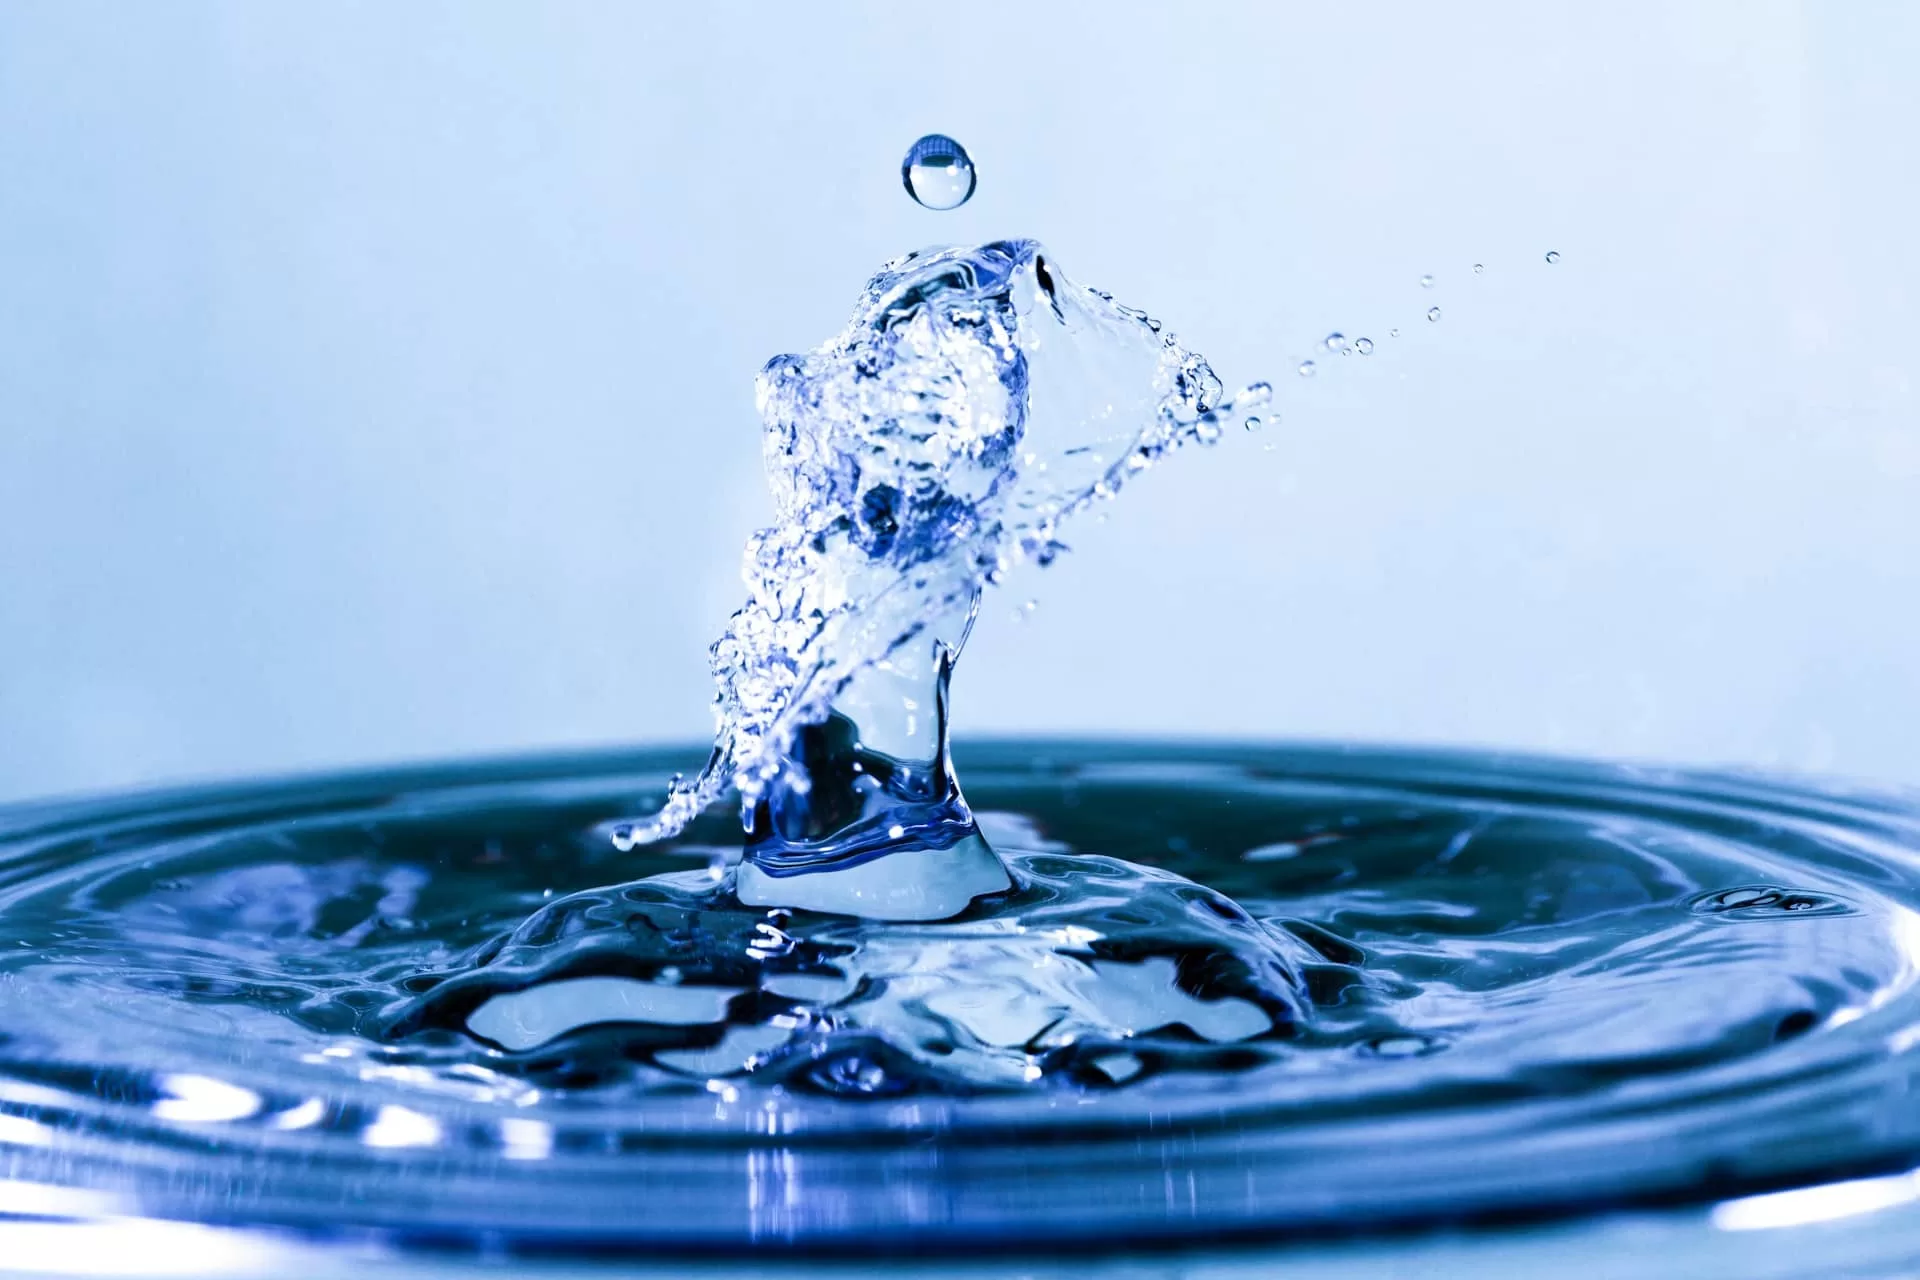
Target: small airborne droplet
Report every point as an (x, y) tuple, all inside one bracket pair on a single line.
[(1553, 255), (1433, 313), (1306, 368), (1478, 268), (1336, 341), (938, 173), (1364, 346), (1426, 282), (1393, 333), (1252, 423)]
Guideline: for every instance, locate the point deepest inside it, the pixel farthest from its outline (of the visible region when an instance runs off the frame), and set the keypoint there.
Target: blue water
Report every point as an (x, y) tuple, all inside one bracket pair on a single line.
[(1497, 985), (1104, 993)]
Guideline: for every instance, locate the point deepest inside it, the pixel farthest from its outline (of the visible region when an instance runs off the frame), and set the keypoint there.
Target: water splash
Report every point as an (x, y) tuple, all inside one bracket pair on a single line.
[(976, 400)]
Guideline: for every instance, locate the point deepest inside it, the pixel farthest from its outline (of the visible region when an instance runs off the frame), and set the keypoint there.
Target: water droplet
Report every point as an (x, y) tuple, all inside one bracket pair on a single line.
[(1364, 346), (1553, 255), (1256, 393), (1336, 341), (1478, 268), (938, 173), (1306, 368), (1433, 313), (1426, 282), (1393, 333), (1253, 422)]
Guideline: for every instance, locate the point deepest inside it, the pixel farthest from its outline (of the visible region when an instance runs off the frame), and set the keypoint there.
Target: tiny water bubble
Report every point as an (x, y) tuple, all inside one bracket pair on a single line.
[(1364, 346), (1336, 341), (1478, 268), (1393, 333), (1306, 368), (938, 173), (1253, 422), (1426, 282), (1433, 313), (1553, 255)]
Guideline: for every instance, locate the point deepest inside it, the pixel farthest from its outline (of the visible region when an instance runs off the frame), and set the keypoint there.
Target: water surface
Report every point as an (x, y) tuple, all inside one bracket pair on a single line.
[(1498, 986)]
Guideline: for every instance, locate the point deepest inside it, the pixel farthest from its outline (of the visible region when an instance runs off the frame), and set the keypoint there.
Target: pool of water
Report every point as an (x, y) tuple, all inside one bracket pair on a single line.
[(1510, 995)]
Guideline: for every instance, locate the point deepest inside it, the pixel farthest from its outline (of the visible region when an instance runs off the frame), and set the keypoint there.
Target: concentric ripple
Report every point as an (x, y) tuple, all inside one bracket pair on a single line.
[(1493, 986)]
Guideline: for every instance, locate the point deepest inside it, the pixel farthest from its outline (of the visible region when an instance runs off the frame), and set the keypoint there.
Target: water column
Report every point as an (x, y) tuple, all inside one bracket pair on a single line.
[(866, 816)]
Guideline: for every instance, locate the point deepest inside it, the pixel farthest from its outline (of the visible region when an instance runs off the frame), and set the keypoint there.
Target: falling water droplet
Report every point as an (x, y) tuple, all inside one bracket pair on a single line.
[(938, 172), (1426, 282), (1553, 255), (1393, 333), (1364, 346), (1433, 313), (1478, 268), (1306, 368), (1253, 422), (1336, 341)]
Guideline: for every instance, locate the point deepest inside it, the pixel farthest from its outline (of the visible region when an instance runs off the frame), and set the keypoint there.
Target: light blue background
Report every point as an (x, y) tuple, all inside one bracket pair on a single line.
[(376, 379)]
